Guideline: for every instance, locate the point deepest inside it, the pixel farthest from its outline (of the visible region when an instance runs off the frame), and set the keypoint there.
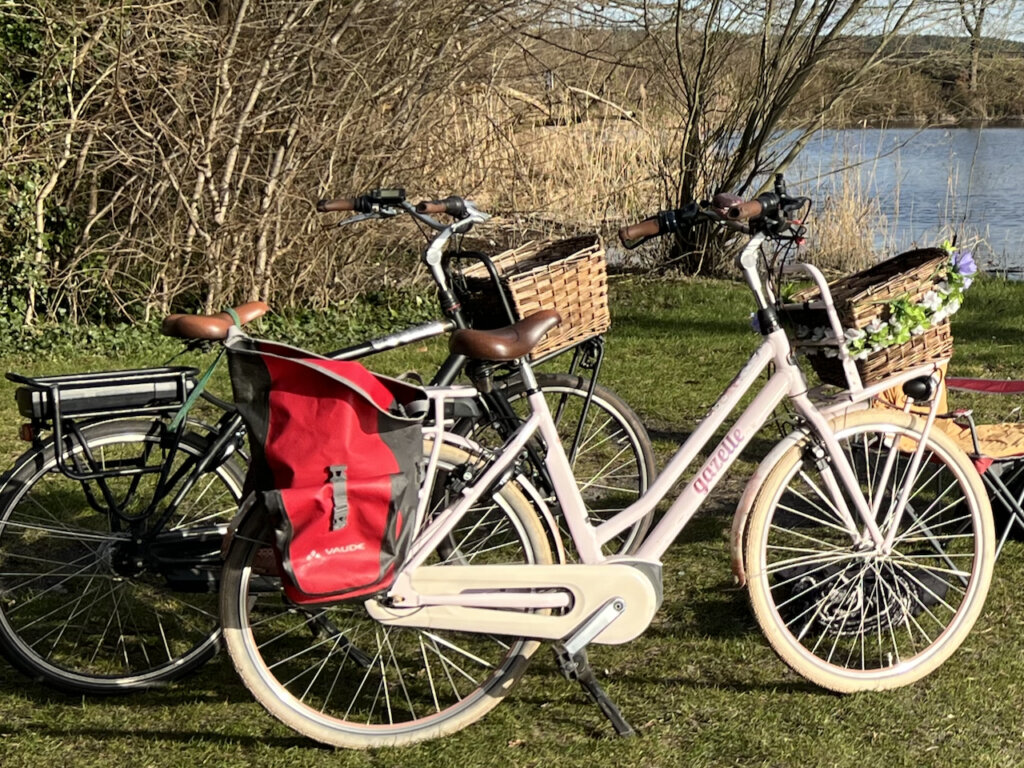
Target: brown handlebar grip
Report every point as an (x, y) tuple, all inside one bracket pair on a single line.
[(431, 206), (646, 228), (743, 211), (338, 204)]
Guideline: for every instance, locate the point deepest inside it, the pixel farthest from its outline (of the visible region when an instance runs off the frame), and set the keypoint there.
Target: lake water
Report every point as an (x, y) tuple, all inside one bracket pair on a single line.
[(930, 183)]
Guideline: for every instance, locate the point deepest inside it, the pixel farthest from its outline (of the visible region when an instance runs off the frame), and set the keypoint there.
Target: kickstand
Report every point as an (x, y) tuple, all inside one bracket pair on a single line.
[(577, 667)]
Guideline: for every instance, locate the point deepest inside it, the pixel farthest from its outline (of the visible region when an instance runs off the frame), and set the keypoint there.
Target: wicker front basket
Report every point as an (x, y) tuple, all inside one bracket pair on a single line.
[(863, 297), (567, 275)]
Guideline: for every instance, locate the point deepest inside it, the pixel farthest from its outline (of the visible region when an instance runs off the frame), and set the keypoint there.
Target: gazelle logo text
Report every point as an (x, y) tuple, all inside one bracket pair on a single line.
[(714, 465)]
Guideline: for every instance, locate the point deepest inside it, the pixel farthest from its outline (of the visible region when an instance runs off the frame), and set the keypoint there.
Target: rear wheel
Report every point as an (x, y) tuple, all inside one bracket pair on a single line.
[(337, 676), (840, 611), (83, 606)]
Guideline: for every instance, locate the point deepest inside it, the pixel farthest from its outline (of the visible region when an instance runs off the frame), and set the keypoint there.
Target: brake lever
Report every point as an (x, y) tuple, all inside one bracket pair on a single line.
[(473, 216), (379, 212), (354, 219)]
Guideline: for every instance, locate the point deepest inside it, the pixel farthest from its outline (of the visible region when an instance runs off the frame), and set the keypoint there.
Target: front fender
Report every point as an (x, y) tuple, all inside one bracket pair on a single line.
[(739, 520)]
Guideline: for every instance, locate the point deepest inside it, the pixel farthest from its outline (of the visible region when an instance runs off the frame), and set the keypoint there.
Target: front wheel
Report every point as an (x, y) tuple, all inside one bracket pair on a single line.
[(840, 611), (337, 676)]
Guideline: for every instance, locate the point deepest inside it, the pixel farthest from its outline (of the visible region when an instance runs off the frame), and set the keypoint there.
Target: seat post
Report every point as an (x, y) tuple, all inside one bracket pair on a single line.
[(527, 375)]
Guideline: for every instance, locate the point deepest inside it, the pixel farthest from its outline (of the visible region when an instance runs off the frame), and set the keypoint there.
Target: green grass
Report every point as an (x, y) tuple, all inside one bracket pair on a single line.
[(701, 686)]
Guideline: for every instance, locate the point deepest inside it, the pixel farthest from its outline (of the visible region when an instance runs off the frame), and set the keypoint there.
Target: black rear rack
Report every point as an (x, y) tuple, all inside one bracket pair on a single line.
[(47, 400), (60, 402)]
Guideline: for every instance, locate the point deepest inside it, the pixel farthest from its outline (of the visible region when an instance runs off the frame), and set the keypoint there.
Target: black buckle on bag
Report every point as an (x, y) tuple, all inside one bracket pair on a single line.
[(336, 477)]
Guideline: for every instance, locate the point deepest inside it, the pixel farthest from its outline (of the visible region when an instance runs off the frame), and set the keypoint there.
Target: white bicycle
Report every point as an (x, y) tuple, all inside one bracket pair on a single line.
[(867, 546)]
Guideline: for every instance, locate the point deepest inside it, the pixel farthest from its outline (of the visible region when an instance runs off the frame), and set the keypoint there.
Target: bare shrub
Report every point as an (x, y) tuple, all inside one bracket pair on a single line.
[(169, 153), (196, 136)]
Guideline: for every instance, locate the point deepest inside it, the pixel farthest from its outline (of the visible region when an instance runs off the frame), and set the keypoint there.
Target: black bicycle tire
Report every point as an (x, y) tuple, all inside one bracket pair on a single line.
[(32, 467)]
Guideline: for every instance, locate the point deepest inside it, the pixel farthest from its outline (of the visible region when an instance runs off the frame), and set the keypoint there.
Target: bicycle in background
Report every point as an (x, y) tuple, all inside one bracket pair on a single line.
[(112, 523)]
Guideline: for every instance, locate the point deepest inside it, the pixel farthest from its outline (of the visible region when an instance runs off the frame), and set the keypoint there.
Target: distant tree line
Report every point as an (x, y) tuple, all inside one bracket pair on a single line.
[(160, 155)]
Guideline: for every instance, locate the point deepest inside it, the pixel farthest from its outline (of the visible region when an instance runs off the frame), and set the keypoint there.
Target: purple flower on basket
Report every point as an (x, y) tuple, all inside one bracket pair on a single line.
[(963, 262)]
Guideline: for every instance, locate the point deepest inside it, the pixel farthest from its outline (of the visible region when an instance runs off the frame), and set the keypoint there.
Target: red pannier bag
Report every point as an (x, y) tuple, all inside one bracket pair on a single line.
[(334, 461)]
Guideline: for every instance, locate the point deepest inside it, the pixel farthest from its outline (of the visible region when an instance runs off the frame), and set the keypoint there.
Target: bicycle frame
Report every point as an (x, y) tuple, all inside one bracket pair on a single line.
[(466, 600)]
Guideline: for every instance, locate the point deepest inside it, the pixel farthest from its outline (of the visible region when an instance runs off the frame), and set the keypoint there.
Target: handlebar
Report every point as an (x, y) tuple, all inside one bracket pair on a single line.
[(661, 223), (771, 213), (749, 210), (647, 228), (387, 203), (368, 203)]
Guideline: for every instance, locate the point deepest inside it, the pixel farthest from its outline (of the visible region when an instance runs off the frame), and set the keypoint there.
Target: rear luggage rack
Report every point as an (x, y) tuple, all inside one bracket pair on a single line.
[(68, 403)]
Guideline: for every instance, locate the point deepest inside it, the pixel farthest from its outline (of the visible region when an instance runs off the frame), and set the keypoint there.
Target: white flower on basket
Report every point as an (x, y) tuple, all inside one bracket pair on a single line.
[(863, 354), (874, 326), (939, 316), (931, 301), (953, 306), (852, 334), (942, 287), (917, 330)]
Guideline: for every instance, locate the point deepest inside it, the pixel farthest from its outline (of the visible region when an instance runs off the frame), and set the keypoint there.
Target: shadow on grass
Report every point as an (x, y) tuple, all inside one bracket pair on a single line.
[(718, 616), (215, 683), (189, 735), (573, 693)]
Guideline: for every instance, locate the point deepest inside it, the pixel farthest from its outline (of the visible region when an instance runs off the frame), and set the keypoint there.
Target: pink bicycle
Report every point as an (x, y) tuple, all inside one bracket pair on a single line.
[(865, 538)]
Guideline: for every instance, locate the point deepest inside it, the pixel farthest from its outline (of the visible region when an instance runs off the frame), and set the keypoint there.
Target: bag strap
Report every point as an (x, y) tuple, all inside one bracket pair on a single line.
[(203, 380), (234, 316)]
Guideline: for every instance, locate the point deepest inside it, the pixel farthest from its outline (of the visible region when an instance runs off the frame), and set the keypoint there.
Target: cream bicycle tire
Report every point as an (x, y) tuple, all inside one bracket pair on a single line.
[(906, 580), (308, 714)]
